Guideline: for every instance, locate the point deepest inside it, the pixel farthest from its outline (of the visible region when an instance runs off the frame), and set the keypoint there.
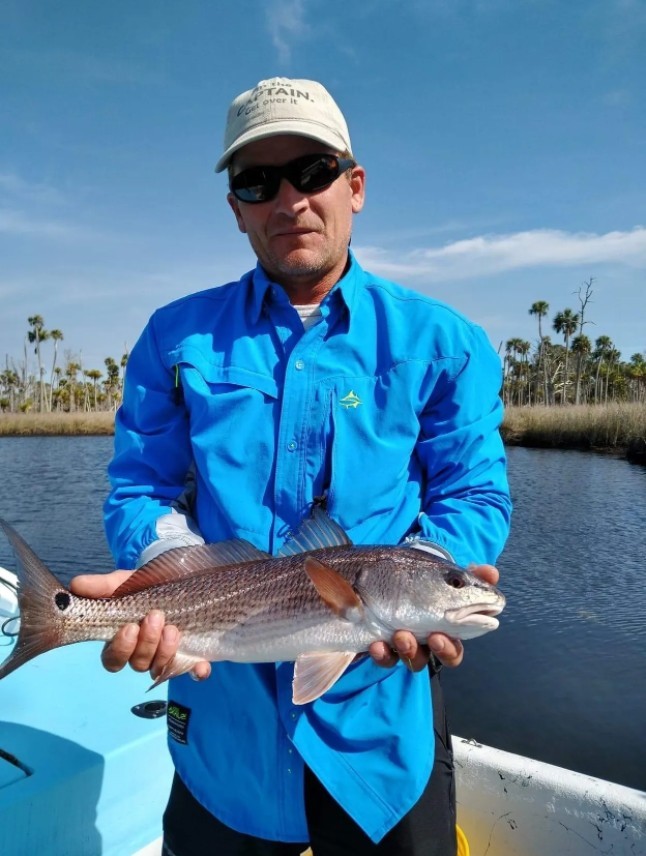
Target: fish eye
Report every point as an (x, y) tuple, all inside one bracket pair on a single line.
[(455, 580)]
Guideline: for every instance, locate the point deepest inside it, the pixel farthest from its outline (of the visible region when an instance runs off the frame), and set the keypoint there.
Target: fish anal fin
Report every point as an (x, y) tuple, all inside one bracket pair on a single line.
[(181, 563), (334, 590), (316, 672), (180, 664)]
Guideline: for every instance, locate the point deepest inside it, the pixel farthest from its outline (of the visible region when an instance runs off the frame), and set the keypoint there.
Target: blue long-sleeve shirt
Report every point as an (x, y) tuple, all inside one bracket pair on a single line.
[(389, 406)]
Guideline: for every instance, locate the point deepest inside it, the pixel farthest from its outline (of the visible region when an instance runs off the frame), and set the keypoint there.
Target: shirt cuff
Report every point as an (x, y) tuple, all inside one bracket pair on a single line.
[(417, 543), (173, 530)]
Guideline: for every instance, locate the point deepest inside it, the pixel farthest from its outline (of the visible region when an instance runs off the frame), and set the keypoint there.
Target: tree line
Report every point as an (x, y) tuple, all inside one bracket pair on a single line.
[(579, 371), (53, 387)]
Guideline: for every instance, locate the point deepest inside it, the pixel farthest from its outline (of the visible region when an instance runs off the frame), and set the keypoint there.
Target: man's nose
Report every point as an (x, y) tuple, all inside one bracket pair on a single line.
[(289, 200)]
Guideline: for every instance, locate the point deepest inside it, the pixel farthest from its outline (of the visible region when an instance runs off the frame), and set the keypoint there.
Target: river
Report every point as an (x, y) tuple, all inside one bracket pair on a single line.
[(562, 680)]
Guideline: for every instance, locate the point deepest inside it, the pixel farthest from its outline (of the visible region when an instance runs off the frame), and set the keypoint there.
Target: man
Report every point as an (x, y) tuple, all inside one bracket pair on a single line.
[(307, 378)]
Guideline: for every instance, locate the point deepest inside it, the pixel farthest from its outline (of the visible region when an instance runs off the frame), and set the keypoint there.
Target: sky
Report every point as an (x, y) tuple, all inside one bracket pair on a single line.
[(504, 143)]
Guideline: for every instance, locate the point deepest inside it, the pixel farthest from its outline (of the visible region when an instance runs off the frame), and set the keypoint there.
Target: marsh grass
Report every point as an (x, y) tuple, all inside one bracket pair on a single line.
[(612, 428), (56, 424), (617, 428)]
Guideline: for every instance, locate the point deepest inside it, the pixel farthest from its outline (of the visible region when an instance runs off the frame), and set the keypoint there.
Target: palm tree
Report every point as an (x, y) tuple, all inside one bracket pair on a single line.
[(566, 322), (71, 370), (637, 372), (56, 336), (511, 353), (540, 308), (581, 346), (93, 375), (111, 383), (10, 383), (613, 358), (523, 347), (602, 348), (36, 335)]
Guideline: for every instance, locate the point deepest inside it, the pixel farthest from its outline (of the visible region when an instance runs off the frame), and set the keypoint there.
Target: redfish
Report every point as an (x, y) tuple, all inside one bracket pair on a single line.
[(319, 602)]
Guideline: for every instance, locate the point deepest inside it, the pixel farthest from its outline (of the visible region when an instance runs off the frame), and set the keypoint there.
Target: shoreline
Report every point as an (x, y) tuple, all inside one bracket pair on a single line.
[(615, 429), (61, 424)]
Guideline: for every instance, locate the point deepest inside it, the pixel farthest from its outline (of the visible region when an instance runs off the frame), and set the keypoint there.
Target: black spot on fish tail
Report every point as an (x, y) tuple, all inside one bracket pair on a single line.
[(41, 598), (62, 600)]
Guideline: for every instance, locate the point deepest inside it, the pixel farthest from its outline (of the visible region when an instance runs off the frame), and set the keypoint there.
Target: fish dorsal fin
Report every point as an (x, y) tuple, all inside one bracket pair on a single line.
[(315, 673), (182, 562), (316, 533), (334, 590)]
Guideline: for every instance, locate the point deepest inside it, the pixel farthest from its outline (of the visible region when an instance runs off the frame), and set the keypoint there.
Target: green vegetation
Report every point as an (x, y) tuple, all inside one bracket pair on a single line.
[(70, 388), (576, 372)]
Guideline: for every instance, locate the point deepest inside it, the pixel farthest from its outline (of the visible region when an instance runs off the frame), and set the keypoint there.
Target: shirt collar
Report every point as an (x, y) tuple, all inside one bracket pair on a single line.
[(345, 290)]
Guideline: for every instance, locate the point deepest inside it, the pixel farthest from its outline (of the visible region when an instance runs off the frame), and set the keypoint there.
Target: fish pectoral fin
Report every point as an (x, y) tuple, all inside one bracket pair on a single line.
[(334, 590), (316, 672), (180, 664)]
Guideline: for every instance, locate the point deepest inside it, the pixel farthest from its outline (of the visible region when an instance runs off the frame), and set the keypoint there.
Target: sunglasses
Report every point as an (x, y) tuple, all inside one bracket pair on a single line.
[(307, 174)]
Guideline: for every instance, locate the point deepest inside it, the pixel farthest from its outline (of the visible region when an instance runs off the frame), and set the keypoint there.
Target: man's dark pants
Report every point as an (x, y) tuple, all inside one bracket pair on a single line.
[(427, 830)]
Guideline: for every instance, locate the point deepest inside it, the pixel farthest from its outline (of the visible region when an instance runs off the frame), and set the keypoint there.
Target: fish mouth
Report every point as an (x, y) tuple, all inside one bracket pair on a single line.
[(475, 615)]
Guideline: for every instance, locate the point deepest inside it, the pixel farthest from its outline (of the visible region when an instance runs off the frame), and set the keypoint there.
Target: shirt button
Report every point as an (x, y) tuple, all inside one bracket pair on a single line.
[(290, 750), (293, 714), (299, 365), (292, 445)]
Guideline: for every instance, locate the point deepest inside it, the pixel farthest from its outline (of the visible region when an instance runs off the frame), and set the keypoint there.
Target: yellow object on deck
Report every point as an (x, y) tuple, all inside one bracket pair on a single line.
[(463, 844)]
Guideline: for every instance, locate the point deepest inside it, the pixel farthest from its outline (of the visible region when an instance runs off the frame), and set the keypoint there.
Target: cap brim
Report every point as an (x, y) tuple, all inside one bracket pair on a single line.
[(312, 130)]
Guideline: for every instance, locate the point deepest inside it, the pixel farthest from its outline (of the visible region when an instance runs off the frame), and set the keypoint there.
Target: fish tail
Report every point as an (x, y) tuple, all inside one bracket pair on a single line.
[(38, 590)]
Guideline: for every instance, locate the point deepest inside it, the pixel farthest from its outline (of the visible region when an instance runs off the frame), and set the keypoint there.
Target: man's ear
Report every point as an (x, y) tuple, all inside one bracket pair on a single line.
[(233, 202), (358, 185)]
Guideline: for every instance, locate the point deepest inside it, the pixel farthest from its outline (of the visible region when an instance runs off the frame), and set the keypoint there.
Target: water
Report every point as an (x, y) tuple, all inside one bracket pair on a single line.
[(52, 491), (562, 680)]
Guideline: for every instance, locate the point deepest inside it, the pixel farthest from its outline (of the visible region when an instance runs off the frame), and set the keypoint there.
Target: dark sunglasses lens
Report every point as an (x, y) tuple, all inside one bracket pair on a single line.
[(307, 174), (257, 184), (313, 172)]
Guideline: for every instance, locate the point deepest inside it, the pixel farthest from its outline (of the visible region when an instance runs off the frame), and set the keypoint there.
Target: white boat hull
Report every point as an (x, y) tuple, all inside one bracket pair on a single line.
[(509, 805)]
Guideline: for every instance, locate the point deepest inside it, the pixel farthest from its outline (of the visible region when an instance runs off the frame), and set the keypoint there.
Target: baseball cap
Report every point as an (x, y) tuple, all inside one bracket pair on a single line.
[(283, 106)]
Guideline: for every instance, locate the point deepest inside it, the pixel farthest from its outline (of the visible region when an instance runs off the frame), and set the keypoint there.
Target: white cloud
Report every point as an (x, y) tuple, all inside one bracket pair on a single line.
[(286, 24), (14, 186), (17, 223), (490, 254)]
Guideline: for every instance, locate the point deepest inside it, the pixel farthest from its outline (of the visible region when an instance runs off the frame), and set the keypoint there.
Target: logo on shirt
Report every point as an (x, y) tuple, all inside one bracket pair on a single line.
[(178, 717), (350, 400)]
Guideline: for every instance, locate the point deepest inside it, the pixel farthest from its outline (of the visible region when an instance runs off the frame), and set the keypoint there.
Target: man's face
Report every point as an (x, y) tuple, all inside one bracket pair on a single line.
[(300, 239)]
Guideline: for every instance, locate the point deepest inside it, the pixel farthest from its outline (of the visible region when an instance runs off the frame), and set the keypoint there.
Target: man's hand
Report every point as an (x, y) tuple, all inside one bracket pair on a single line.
[(148, 646), (405, 646)]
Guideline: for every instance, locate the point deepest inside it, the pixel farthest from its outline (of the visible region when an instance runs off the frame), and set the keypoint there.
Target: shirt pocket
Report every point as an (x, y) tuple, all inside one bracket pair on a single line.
[(232, 412), (375, 427)]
